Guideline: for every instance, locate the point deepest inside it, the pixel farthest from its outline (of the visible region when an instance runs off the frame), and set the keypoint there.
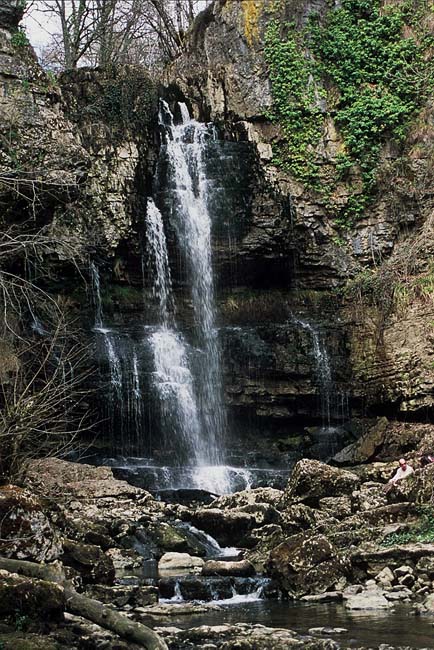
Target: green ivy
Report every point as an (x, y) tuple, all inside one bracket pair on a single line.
[(19, 38), (294, 102), (376, 79), (422, 532)]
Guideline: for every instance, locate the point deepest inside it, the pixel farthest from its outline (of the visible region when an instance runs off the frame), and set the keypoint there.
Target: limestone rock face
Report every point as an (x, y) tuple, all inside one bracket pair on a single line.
[(25, 531), (312, 480), (307, 563)]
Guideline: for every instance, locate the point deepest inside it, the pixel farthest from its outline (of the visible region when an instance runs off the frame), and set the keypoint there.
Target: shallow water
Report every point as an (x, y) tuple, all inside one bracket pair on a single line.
[(397, 628)]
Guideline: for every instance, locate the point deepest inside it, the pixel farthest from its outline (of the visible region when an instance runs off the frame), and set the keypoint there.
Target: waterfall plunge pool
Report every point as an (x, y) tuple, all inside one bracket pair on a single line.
[(216, 480)]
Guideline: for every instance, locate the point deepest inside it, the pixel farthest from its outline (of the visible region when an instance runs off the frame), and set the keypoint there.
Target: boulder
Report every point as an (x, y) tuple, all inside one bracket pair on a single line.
[(312, 480), (174, 563), (37, 599), (168, 538), (25, 531), (243, 636), (307, 563), (242, 569), (385, 578), (339, 507), (121, 595), (426, 565), (368, 599), (58, 478), (247, 498), (371, 495), (366, 446), (229, 528), (94, 566)]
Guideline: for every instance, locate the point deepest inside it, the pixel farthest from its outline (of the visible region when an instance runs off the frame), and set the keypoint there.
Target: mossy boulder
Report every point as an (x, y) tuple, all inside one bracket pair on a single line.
[(307, 563), (94, 566), (312, 480), (36, 599)]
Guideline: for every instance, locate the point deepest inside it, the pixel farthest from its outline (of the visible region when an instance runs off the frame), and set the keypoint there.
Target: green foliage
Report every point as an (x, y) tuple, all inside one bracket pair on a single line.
[(21, 622), (19, 38), (294, 102), (423, 531), (376, 75)]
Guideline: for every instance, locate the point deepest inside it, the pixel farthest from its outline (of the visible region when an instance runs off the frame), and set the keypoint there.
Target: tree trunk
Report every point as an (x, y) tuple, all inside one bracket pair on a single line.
[(86, 607)]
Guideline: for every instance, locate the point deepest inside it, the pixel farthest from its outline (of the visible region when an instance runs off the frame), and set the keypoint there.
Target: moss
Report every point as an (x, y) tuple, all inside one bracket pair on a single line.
[(252, 11)]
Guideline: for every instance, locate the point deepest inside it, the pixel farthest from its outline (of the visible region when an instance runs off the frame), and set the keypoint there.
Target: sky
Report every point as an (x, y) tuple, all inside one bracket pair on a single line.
[(39, 26)]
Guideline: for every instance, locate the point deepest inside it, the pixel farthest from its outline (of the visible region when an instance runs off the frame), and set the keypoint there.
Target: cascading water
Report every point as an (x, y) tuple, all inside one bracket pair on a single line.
[(191, 406), (323, 370), (334, 405), (123, 402), (184, 150)]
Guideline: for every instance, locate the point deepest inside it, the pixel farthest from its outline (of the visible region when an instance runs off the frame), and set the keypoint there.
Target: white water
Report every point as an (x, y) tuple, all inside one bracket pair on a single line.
[(185, 149), (158, 256), (174, 384)]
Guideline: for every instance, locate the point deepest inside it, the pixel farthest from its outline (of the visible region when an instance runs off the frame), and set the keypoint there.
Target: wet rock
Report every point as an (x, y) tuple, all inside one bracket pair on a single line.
[(94, 566), (37, 599), (327, 630), (327, 597), (196, 588), (242, 637), (179, 562), (25, 531), (312, 480), (367, 600), (307, 563), (121, 595), (229, 528), (242, 569), (168, 538)]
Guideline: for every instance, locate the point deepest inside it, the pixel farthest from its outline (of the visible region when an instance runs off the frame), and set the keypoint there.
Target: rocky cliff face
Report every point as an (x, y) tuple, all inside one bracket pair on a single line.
[(316, 320), (377, 295)]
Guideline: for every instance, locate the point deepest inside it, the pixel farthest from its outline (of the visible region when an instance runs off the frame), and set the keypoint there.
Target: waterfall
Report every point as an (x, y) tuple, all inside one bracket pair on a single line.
[(184, 150), (190, 395)]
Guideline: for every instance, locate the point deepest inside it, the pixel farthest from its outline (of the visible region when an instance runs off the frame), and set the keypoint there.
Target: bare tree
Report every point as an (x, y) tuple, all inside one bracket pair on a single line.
[(110, 32), (44, 362)]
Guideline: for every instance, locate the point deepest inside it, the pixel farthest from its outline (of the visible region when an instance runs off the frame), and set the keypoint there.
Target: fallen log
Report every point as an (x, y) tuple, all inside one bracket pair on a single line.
[(88, 608)]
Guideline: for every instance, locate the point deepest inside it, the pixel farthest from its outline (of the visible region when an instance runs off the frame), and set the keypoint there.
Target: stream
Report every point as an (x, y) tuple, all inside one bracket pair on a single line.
[(398, 627)]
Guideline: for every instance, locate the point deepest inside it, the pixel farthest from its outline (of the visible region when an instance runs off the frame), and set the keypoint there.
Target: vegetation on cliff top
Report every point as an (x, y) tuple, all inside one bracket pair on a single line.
[(373, 61)]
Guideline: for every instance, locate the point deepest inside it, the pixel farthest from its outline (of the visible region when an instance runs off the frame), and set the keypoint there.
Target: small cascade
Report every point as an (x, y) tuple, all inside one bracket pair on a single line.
[(334, 404), (323, 371), (158, 260), (122, 404)]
